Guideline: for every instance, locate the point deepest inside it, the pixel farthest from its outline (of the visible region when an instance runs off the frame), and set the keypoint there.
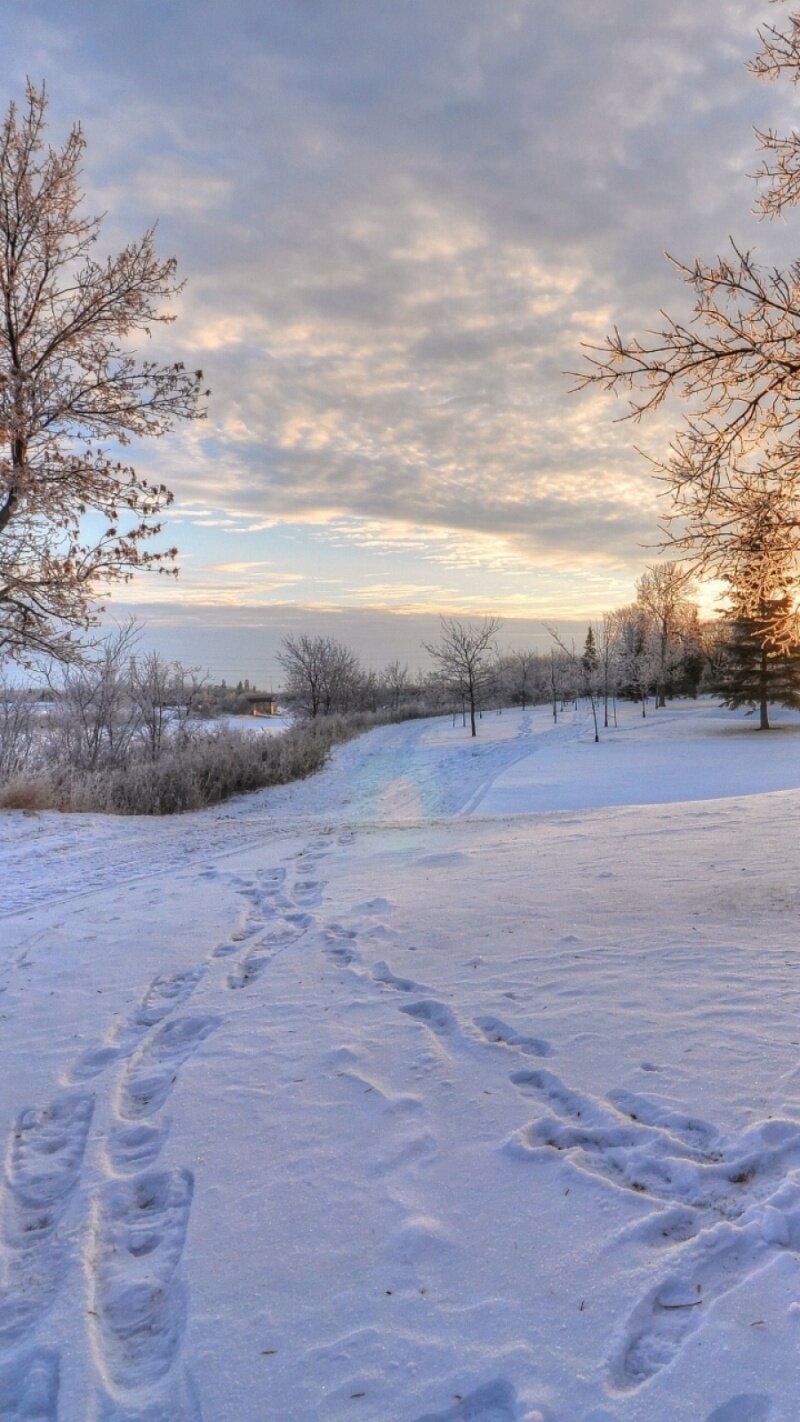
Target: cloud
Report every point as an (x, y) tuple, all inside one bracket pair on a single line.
[(398, 224)]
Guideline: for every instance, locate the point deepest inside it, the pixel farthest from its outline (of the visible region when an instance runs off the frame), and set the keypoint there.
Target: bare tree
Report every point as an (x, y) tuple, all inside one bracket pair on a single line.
[(71, 393), (735, 364), (583, 672), (322, 675), (464, 655), (164, 695), (395, 684), (605, 637), (663, 591), (94, 720), (636, 651), (517, 674)]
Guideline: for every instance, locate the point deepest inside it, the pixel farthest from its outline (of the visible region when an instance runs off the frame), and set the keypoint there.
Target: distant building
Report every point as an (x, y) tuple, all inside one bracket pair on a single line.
[(261, 705)]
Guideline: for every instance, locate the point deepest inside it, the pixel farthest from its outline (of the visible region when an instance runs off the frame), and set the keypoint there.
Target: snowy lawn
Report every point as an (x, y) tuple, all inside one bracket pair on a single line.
[(458, 1083)]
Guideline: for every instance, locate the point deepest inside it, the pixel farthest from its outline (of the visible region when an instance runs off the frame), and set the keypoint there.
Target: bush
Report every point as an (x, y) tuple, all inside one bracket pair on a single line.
[(194, 768)]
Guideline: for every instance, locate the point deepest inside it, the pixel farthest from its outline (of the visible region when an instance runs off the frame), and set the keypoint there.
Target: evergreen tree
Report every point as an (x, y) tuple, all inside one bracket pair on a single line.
[(761, 666), (589, 659)]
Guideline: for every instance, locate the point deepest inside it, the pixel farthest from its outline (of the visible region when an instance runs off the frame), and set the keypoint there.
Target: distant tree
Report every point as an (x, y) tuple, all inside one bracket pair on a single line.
[(606, 642), (396, 684), (164, 695), (688, 673), (589, 658), (72, 391), (635, 651), (582, 671), (663, 592), (517, 676), (322, 675), (463, 656)]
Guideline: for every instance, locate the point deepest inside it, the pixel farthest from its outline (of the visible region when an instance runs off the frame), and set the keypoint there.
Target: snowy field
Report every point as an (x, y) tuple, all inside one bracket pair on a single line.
[(458, 1083)]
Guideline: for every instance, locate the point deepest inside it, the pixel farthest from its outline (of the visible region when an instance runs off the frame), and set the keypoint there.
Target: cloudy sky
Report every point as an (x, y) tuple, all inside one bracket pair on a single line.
[(398, 220)]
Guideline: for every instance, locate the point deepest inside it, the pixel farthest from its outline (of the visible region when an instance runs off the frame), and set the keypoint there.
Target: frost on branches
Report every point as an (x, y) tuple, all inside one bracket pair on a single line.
[(69, 391), (732, 471)]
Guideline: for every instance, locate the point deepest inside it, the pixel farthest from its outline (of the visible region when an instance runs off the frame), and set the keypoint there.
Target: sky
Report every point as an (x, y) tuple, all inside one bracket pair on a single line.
[(398, 221)]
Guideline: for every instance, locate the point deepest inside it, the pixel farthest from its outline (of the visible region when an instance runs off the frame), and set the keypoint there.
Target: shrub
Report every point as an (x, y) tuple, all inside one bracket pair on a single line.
[(194, 768)]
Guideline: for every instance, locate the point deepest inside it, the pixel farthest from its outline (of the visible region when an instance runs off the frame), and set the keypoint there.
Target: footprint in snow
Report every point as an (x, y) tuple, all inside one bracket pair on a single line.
[(746, 1407), (46, 1153), (166, 992), (500, 1034), (382, 974), (133, 1148), (248, 969), (730, 1206), (272, 878), (432, 1014), (29, 1387), (43, 1166), (138, 1300), (151, 1073), (659, 1326), (308, 893), (494, 1402), (340, 943)]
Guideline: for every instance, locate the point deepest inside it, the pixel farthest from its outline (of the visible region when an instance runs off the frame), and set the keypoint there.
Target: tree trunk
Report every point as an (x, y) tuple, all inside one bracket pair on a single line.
[(764, 721)]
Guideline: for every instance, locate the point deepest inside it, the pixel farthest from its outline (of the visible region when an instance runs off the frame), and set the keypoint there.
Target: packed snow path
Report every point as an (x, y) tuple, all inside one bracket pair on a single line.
[(372, 1099)]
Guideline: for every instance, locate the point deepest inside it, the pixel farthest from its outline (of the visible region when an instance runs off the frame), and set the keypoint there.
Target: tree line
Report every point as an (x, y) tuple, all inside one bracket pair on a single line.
[(651, 649)]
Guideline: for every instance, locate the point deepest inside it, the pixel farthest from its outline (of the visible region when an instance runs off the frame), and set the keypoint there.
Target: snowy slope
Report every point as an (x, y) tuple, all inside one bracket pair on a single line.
[(459, 1083)]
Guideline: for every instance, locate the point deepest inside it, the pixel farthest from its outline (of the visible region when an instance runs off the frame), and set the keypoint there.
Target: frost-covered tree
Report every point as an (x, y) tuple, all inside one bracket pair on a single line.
[(464, 655), (635, 651), (663, 592), (395, 685), (322, 675), (518, 678), (761, 661), (735, 365), (72, 392)]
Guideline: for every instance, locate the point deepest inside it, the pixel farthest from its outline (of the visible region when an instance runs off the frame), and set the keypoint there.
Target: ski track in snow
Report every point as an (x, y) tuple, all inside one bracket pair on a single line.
[(726, 1206)]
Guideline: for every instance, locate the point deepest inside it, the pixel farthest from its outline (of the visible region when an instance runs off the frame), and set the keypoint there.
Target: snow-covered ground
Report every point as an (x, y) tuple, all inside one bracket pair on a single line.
[(458, 1083)]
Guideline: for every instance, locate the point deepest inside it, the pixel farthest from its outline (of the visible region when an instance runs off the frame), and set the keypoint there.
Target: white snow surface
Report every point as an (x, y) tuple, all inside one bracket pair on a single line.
[(457, 1083)]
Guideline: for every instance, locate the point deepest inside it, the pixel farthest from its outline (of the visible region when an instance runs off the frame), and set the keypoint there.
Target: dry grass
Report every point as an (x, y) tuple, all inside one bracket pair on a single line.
[(193, 769)]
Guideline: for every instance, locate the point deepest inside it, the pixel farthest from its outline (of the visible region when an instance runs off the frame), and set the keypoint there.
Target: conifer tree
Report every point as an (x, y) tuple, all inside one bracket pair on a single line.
[(760, 667), (589, 658)]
